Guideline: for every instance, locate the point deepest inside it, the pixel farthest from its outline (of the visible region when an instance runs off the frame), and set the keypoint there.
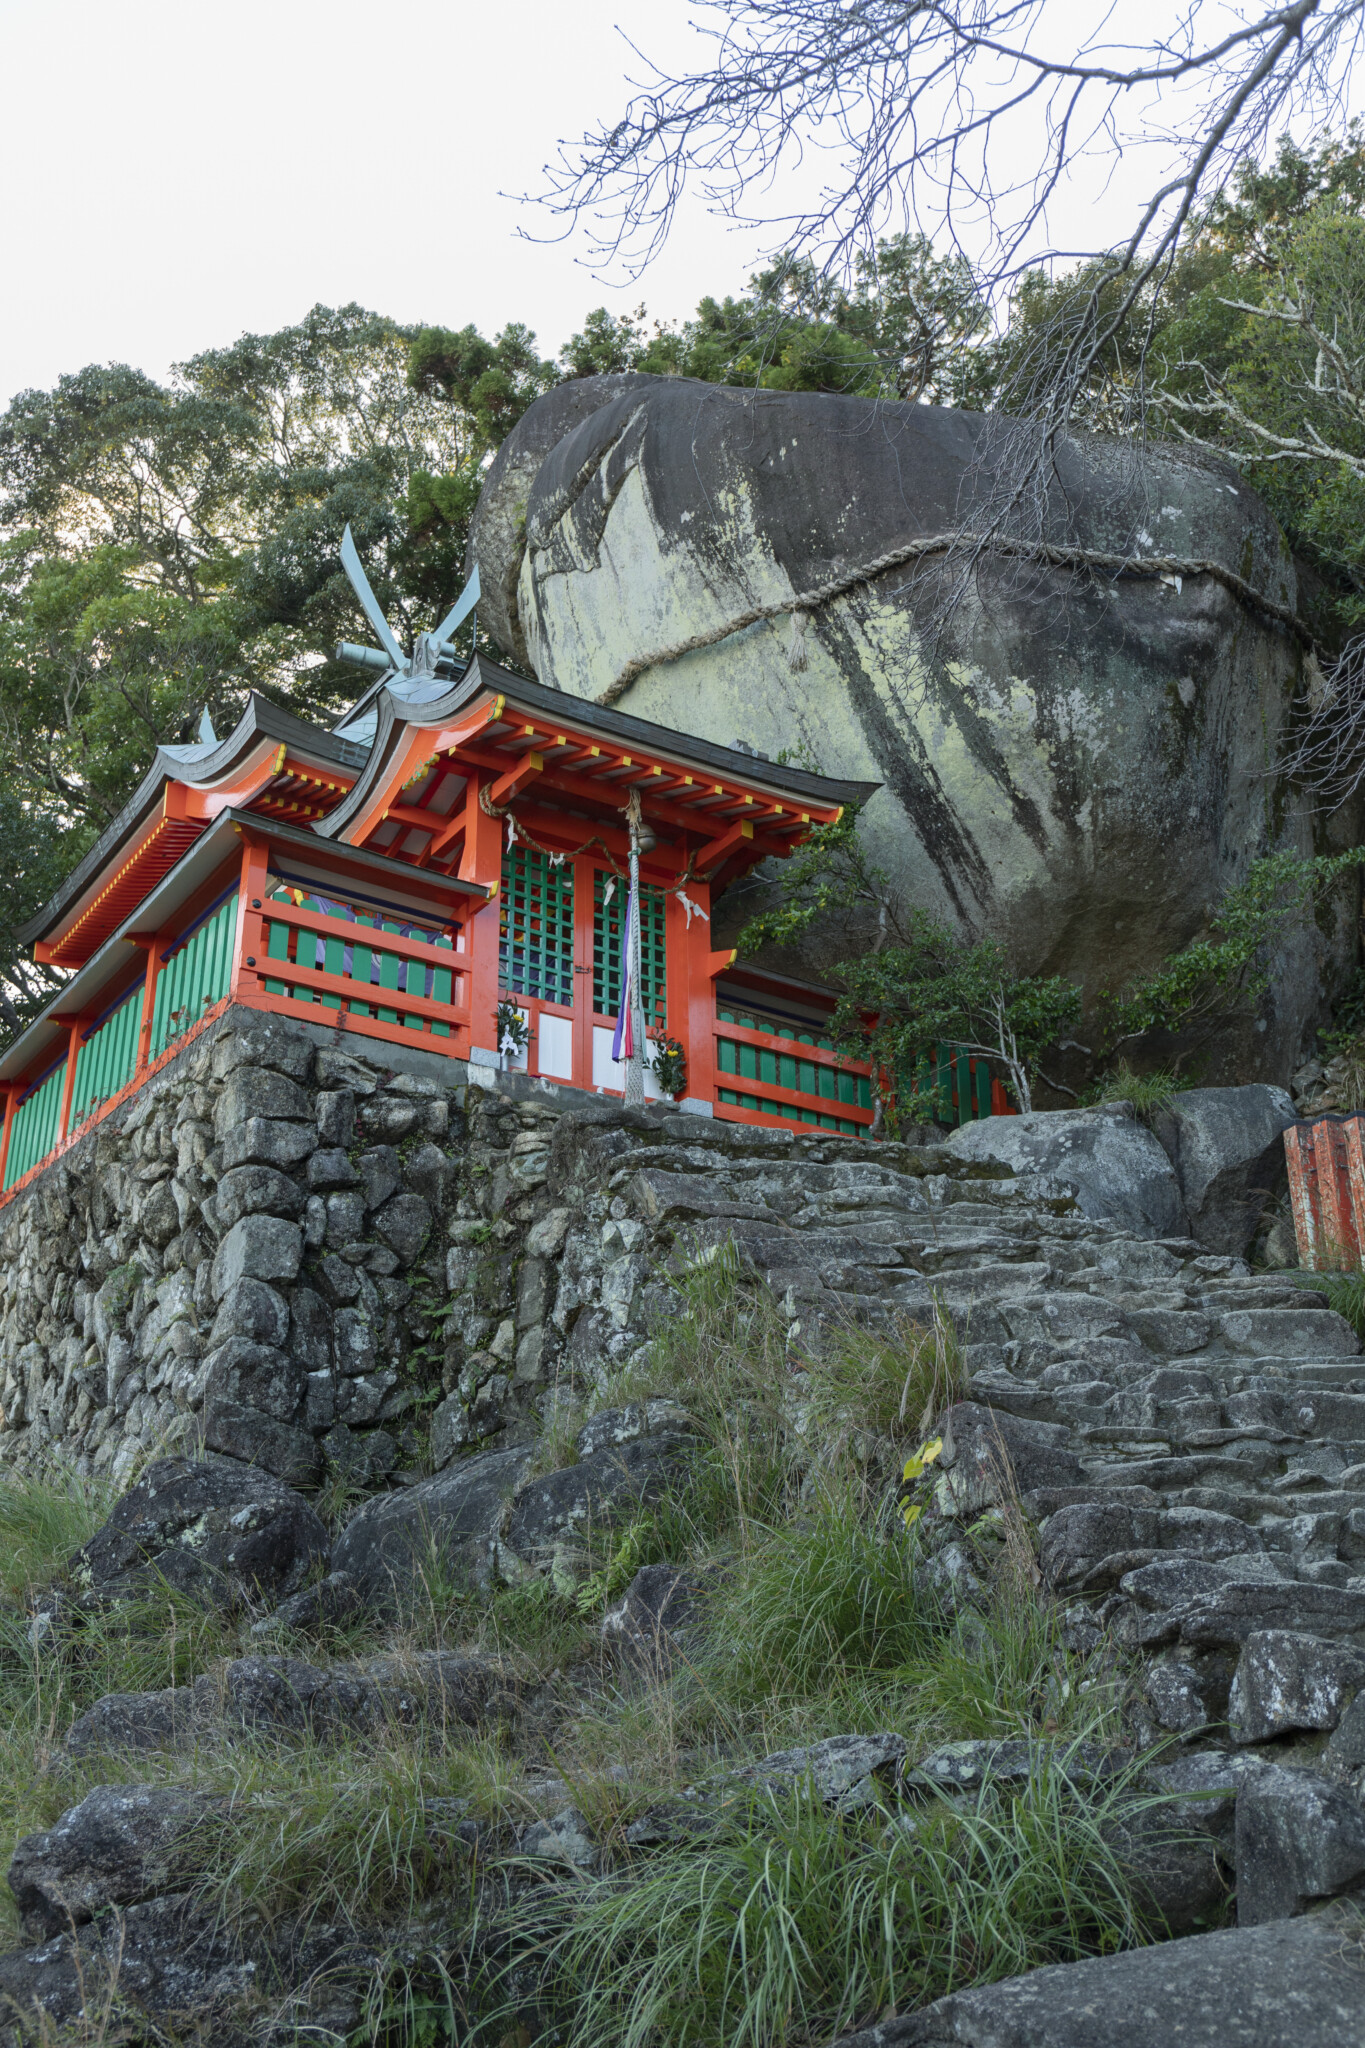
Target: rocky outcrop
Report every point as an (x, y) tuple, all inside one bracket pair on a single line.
[(1063, 763), (1297, 1981)]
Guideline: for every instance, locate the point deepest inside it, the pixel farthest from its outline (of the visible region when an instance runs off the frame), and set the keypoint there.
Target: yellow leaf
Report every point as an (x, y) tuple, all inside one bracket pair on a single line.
[(910, 1513)]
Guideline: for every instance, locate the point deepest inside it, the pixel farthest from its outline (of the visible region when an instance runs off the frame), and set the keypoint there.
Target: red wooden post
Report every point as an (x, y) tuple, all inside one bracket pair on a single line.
[(1301, 1157), (12, 1091), (152, 946), (250, 947), (73, 1046), (481, 855)]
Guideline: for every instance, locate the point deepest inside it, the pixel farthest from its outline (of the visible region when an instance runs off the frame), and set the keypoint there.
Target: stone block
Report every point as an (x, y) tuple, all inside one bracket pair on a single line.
[(210, 1527), (1298, 1840), (257, 1092), (257, 1191), (545, 1238), (338, 1070), (1289, 1333), (387, 1542), (256, 1376), (257, 1248), (258, 1439), (330, 1167), (1285, 1682), (250, 1308), (263, 1141), (1120, 1172), (381, 1172), (354, 1347), (1286, 1984), (336, 1116), (310, 1328), (1227, 1148), (345, 1218), (121, 1844), (266, 1042), (404, 1223), (429, 1172)]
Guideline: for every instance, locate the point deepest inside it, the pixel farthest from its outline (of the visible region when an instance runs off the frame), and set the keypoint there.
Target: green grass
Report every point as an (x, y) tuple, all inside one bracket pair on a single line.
[(41, 1523), (1148, 1093), (786, 1924), (792, 1924), (1344, 1292)]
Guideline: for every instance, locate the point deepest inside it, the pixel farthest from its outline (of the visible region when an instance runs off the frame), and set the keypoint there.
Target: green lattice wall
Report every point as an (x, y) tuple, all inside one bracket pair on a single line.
[(535, 927), (608, 918)]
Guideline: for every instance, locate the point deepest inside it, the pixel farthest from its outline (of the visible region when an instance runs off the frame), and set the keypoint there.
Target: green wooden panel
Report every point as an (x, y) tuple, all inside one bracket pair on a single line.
[(277, 948), (107, 1059), (34, 1131), (333, 962), (983, 1088), (608, 918), (388, 977)]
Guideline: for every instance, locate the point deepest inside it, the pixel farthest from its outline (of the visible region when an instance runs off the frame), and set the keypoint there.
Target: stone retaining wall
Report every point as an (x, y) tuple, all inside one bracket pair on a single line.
[(294, 1252)]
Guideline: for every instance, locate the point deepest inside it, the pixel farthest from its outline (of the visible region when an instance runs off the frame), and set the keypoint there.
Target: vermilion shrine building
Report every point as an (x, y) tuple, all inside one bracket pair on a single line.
[(442, 851)]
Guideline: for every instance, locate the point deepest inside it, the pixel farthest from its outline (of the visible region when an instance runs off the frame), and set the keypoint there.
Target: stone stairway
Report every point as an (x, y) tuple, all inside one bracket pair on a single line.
[(1188, 1436)]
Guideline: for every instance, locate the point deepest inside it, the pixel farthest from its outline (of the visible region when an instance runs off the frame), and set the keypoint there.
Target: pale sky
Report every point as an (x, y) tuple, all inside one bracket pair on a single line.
[(175, 174)]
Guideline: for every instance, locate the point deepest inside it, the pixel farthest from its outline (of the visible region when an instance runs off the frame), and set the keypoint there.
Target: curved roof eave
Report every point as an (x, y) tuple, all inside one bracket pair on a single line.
[(260, 720), (396, 714)]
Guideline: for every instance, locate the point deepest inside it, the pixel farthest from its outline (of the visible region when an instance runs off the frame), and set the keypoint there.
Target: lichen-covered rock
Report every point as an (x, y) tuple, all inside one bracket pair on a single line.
[(1290, 1984), (120, 1845), (212, 1527), (1054, 765), (1285, 1681), (1118, 1169), (450, 1520)]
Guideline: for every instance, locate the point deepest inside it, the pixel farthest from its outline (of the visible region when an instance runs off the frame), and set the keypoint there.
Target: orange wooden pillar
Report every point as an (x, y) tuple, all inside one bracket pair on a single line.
[(250, 947), (481, 861), (76, 1026), (584, 940), (12, 1092)]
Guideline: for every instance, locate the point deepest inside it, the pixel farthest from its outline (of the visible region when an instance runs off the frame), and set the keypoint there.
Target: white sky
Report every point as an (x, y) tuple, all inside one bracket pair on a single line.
[(173, 174)]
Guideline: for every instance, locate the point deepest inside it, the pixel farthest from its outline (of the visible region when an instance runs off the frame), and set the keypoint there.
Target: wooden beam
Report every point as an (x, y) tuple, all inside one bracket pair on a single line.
[(719, 849)]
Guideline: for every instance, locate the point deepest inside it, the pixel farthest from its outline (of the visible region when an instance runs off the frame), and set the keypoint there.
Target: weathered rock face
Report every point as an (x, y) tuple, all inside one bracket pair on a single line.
[(1069, 764)]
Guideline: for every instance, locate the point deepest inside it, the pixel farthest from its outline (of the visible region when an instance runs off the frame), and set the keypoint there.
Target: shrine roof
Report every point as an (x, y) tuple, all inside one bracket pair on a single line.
[(397, 717), (268, 746)]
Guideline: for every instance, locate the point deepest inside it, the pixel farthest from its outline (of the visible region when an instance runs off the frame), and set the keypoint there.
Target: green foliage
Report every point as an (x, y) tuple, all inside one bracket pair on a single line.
[(907, 325), (821, 1599), (1148, 1093), (1226, 973), (1344, 1292), (42, 1522), (792, 1925), (893, 1381), (898, 1003)]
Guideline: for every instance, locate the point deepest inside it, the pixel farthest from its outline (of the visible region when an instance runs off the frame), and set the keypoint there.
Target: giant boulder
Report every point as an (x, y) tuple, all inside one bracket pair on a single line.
[(1073, 761)]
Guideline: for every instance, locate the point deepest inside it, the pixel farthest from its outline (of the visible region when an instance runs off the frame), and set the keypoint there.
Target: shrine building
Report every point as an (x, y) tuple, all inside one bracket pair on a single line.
[(457, 844)]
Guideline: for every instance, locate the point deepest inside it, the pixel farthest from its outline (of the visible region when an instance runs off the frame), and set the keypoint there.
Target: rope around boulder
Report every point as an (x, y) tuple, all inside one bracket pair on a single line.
[(941, 543)]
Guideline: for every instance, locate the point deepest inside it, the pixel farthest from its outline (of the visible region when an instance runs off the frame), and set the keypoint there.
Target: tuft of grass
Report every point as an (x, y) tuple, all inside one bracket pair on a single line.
[(820, 1601), (1344, 1292), (42, 1521), (894, 1381), (1148, 1093), (792, 1924)]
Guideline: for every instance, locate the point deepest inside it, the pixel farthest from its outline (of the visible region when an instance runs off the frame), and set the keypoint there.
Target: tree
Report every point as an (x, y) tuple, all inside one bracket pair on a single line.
[(167, 548), (959, 121), (906, 327), (919, 985)]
